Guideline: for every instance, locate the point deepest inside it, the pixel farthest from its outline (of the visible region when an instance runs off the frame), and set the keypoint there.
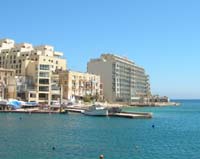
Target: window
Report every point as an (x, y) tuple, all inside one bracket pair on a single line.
[(32, 95), (44, 88), (44, 81), (44, 74), (44, 67), (55, 87), (43, 96)]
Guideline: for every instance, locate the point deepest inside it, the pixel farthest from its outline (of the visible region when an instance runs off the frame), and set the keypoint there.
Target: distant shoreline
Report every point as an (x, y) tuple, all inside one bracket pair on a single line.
[(155, 104)]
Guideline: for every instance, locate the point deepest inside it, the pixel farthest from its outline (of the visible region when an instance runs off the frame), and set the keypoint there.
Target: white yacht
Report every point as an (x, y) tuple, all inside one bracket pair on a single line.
[(96, 110)]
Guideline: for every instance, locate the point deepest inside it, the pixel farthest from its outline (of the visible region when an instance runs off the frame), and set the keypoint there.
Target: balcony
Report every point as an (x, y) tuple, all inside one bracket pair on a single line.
[(55, 92)]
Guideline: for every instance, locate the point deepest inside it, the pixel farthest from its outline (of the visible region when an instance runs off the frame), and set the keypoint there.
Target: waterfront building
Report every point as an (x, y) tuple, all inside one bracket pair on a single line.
[(122, 79), (157, 98), (77, 85), (34, 67), (7, 83)]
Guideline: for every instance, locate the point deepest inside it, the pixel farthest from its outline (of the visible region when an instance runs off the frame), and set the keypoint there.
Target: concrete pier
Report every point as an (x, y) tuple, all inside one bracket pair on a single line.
[(74, 110), (29, 112), (133, 115)]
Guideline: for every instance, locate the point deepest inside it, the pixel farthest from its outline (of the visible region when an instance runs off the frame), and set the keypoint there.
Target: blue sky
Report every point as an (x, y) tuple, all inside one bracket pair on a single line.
[(161, 36)]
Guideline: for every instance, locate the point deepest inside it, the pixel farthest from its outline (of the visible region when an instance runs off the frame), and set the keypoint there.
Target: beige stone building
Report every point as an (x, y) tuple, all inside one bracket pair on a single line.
[(35, 67), (77, 85), (122, 79), (7, 83)]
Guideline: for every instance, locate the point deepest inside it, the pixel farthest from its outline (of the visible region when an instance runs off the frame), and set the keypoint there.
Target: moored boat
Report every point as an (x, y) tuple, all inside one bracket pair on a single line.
[(96, 110)]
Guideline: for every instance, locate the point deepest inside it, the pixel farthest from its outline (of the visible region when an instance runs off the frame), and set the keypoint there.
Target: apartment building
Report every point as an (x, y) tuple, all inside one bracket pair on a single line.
[(7, 83), (34, 67), (76, 85), (122, 79)]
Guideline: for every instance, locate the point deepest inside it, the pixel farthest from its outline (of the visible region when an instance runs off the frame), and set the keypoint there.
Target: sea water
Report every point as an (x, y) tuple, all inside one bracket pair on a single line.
[(175, 135)]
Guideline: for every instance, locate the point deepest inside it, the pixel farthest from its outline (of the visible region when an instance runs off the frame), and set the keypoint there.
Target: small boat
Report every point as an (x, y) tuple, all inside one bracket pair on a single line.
[(96, 110)]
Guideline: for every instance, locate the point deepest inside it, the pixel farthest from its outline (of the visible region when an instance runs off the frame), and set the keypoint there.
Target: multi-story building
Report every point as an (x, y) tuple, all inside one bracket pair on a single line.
[(76, 85), (34, 67), (122, 79), (7, 83)]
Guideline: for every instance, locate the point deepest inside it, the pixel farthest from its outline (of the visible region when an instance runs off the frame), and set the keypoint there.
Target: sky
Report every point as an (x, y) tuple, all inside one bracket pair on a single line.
[(161, 36)]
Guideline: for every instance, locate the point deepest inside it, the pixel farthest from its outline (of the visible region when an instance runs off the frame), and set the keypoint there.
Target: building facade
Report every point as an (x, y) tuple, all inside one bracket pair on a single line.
[(34, 67), (122, 79), (76, 85), (7, 83)]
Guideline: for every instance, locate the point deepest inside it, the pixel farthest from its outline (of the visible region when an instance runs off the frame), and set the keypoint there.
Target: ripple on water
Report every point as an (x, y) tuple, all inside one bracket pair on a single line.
[(176, 135)]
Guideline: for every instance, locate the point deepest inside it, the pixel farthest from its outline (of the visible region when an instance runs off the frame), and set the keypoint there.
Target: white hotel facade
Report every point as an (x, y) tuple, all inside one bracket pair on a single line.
[(122, 79)]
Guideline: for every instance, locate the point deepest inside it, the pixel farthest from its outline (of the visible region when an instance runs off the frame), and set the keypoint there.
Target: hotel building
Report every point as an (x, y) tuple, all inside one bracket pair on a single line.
[(122, 79), (35, 68), (76, 85), (7, 83)]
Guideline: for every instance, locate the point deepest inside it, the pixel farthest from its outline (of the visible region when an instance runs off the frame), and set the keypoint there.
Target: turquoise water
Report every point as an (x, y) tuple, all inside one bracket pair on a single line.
[(176, 135)]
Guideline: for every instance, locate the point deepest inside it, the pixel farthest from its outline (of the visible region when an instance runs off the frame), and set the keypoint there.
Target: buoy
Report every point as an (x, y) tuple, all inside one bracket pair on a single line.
[(136, 148), (20, 118), (101, 157), (153, 126), (53, 148)]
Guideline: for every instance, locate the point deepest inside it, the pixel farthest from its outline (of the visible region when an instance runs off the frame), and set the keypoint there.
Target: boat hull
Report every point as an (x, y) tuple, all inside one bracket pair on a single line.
[(102, 112)]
